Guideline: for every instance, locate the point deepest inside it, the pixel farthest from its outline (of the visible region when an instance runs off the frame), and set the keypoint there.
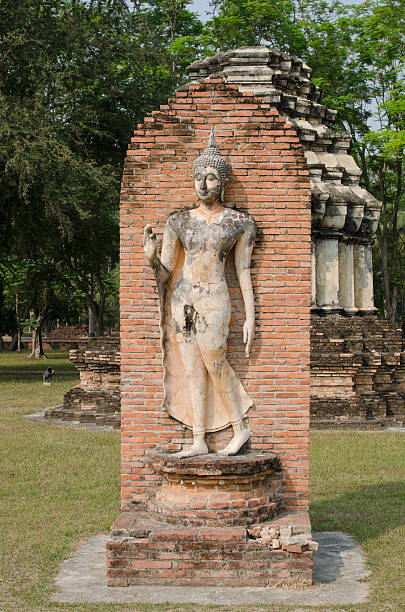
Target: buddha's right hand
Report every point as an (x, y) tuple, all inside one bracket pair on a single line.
[(248, 334), (150, 245)]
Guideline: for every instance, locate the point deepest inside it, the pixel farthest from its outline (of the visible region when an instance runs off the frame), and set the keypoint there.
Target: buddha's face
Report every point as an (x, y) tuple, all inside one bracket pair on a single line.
[(207, 185)]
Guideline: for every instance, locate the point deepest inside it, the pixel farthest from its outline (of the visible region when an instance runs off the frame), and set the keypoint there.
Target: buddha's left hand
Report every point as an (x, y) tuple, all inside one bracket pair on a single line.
[(248, 335)]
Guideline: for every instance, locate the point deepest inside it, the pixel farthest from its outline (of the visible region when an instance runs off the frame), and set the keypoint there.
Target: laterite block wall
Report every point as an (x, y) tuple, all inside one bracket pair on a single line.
[(269, 181)]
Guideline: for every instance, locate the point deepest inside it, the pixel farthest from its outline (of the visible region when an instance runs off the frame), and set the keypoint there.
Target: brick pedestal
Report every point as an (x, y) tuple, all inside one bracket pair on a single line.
[(142, 551), (215, 490)]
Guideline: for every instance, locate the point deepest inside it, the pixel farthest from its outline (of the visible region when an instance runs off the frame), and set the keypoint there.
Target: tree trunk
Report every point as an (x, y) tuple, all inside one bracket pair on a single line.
[(15, 341), (97, 310), (394, 304), (100, 318), (15, 344), (41, 348), (1, 311), (36, 349), (18, 325), (91, 323), (382, 241)]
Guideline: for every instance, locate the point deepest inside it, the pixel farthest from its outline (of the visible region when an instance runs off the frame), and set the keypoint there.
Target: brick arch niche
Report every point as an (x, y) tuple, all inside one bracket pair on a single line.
[(269, 181)]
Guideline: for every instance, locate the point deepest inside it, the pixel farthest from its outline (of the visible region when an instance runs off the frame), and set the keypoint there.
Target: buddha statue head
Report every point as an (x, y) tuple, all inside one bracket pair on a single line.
[(210, 173)]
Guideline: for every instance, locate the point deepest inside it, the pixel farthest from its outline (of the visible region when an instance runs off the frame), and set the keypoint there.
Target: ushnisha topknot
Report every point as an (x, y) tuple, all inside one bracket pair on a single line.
[(212, 157)]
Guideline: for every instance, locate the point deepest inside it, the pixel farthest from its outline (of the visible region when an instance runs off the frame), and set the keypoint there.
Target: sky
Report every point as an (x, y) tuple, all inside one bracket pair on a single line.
[(201, 7)]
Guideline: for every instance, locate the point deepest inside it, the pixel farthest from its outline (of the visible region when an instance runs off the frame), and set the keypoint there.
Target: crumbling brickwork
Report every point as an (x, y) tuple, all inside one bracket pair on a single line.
[(357, 372), (66, 337), (145, 552), (96, 399)]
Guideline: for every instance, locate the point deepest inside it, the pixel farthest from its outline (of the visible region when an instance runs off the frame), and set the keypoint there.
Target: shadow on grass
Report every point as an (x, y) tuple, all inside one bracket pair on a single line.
[(366, 512)]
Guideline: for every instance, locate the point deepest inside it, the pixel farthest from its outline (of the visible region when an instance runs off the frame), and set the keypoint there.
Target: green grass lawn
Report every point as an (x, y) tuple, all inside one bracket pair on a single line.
[(20, 362), (59, 485)]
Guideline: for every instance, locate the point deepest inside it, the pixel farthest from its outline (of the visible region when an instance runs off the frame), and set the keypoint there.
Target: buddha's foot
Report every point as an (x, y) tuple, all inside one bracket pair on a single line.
[(197, 448), (236, 443)]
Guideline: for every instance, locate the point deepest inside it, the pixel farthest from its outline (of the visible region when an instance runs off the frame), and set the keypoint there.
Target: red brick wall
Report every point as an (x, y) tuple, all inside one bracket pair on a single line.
[(269, 181)]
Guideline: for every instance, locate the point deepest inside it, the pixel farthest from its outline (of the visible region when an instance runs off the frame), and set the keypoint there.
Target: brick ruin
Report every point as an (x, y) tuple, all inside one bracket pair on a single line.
[(65, 337), (215, 520), (96, 399), (357, 372), (357, 376), (243, 520)]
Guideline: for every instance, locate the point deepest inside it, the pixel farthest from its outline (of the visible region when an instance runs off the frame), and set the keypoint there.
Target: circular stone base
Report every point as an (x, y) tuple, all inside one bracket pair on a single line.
[(213, 489)]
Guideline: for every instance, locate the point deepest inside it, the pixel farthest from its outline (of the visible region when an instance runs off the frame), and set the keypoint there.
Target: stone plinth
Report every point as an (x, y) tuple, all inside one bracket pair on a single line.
[(142, 551), (216, 490)]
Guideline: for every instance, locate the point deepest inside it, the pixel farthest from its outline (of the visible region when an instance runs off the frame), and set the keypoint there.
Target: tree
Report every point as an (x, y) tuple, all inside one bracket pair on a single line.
[(237, 23), (75, 78), (30, 290), (386, 147)]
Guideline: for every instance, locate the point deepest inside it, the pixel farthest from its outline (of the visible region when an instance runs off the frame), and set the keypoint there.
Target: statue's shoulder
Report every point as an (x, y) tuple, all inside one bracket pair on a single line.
[(249, 224), (178, 219)]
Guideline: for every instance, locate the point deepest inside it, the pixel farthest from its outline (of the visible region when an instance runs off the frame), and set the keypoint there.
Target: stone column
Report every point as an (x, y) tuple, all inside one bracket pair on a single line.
[(363, 276), (313, 273), (327, 252), (327, 272), (346, 276)]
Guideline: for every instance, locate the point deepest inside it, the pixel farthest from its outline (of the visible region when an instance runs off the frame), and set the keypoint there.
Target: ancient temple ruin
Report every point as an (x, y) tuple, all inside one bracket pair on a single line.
[(357, 360), (177, 508), (96, 398)]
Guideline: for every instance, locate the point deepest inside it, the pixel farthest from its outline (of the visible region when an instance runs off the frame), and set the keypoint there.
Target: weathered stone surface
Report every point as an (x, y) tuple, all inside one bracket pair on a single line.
[(216, 465), (201, 390)]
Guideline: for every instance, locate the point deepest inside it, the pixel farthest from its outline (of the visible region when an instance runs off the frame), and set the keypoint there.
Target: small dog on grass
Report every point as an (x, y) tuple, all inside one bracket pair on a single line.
[(47, 376)]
